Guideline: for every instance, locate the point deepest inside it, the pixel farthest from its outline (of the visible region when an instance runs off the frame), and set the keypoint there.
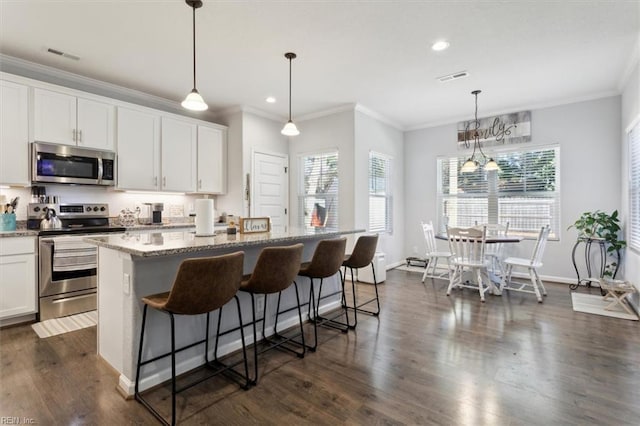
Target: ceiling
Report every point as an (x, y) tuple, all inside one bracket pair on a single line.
[(521, 54)]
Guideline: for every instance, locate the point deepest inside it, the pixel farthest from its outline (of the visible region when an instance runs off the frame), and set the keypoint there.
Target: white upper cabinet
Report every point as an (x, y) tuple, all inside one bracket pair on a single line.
[(212, 155), (178, 155), (66, 119), (138, 149), (14, 133)]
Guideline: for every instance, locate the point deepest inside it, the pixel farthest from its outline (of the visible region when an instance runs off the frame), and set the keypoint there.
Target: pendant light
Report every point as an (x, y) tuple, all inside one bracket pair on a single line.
[(194, 101), (290, 128), (471, 165)]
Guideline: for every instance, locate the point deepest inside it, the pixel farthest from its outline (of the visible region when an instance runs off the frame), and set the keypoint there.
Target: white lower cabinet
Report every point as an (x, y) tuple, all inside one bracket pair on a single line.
[(18, 283)]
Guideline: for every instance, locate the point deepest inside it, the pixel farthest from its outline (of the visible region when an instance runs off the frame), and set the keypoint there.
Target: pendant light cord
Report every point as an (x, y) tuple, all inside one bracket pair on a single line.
[(290, 88), (476, 135), (194, 47)]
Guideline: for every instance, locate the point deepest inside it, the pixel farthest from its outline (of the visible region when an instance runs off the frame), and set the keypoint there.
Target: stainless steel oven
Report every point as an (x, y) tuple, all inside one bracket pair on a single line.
[(67, 266), (67, 280)]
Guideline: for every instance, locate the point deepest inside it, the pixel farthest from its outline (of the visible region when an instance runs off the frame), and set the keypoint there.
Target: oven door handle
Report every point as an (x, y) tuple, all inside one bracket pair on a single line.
[(69, 298)]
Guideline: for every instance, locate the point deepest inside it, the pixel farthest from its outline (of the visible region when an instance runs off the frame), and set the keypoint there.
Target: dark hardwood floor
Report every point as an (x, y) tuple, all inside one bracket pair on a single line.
[(427, 359)]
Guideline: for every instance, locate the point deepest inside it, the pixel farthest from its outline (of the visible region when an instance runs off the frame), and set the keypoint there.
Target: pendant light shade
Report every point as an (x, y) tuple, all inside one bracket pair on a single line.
[(194, 101), (471, 165), (290, 128)]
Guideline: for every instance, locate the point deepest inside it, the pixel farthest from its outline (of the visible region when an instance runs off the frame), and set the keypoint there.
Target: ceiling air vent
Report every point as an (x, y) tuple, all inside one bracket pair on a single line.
[(63, 54), (454, 76)]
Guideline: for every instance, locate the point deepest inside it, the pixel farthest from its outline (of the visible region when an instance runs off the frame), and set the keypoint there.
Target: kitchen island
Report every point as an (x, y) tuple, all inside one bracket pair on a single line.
[(136, 264)]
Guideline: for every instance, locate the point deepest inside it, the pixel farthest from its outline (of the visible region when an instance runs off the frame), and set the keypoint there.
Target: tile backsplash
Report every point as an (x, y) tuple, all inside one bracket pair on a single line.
[(175, 205)]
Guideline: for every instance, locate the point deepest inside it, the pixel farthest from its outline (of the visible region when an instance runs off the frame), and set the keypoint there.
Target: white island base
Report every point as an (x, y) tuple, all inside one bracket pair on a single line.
[(135, 265)]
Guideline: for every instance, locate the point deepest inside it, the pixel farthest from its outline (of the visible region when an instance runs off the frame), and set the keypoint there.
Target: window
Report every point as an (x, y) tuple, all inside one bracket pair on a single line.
[(380, 202), (319, 191), (525, 192), (634, 187)]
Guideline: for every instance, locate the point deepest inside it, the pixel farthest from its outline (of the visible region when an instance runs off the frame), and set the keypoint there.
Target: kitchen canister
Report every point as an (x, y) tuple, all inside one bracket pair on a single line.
[(204, 217), (8, 222)]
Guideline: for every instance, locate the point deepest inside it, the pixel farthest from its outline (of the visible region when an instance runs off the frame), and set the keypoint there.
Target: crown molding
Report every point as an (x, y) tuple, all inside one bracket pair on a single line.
[(326, 112), (542, 105), (51, 75), (377, 116), (634, 60)]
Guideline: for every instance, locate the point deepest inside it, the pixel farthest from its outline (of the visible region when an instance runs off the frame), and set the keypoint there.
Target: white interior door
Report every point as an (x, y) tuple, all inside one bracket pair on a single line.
[(270, 189)]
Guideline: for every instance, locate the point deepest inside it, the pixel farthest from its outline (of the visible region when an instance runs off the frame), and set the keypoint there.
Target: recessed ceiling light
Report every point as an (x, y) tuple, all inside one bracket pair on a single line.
[(440, 45), (271, 100)]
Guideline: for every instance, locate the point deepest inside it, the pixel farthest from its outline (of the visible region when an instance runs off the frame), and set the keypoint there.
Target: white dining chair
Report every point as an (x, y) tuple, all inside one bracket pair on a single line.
[(532, 265), (495, 251), (467, 246), (432, 254)]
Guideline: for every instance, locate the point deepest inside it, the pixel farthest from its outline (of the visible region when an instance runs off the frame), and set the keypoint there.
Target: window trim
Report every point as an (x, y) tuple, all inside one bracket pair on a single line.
[(388, 194), (495, 152), (301, 220), (634, 126)]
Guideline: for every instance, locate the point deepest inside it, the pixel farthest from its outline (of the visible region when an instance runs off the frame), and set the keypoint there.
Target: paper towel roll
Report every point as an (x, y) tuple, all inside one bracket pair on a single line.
[(204, 218)]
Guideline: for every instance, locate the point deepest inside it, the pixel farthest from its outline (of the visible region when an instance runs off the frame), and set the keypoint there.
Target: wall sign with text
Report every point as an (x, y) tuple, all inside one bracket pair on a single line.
[(254, 224), (495, 131)]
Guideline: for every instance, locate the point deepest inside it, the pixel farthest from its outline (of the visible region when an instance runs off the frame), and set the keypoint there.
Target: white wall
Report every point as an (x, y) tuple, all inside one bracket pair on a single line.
[(260, 134), (588, 134), (630, 113), (326, 133), (373, 135)]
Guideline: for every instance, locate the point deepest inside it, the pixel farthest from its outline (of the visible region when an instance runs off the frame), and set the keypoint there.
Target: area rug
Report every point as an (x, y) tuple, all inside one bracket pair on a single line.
[(594, 304), (53, 327)]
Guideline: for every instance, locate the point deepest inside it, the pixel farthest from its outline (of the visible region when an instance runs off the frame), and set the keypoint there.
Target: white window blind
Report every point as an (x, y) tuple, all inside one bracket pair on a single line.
[(634, 187), (380, 201), (524, 192), (318, 195)]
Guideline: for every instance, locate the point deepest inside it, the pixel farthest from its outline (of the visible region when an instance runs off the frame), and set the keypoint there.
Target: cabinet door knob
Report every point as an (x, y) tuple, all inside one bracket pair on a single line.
[(74, 135), (164, 181), (200, 184), (79, 135), (155, 181)]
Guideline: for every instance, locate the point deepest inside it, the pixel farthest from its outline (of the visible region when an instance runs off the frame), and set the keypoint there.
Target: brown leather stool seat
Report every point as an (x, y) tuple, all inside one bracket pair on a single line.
[(201, 286), (362, 256), (326, 262), (275, 271)]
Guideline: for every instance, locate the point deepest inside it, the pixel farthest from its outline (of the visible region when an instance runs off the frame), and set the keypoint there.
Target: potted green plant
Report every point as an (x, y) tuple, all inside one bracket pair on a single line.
[(598, 225)]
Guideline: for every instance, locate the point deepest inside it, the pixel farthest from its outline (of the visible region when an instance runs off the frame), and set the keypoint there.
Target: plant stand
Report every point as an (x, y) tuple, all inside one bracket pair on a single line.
[(589, 244)]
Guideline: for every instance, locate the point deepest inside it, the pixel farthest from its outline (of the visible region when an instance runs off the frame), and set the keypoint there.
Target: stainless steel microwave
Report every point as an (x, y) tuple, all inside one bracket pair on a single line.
[(69, 164)]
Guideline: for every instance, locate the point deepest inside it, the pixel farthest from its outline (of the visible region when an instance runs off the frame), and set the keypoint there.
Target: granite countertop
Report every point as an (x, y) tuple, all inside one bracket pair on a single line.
[(19, 232), (22, 231), (168, 243)]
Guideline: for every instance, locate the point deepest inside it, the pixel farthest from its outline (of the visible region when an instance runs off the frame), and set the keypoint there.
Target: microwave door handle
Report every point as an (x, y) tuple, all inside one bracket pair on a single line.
[(100, 170)]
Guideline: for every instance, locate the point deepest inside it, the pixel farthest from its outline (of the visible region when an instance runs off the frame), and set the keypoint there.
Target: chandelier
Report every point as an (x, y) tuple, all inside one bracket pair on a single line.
[(472, 164)]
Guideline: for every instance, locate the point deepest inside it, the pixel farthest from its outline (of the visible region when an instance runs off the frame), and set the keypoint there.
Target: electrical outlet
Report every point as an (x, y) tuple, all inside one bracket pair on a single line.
[(126, 283), (259, 305), (415, 249)]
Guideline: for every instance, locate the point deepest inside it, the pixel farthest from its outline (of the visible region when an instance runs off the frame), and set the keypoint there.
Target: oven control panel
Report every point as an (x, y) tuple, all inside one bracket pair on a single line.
[(88, 210)]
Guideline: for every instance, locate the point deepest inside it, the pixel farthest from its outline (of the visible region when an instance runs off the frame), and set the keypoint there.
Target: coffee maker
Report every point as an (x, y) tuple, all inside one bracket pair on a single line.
[(156, 212)]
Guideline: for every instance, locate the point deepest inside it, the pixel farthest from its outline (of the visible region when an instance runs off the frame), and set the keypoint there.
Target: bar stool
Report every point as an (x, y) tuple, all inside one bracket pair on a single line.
[(326, 262), (275, 271), (361, 257), (201, 286)]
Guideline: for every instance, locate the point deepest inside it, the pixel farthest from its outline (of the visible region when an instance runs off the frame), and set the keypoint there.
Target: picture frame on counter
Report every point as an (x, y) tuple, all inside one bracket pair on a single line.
[(249, 225)]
